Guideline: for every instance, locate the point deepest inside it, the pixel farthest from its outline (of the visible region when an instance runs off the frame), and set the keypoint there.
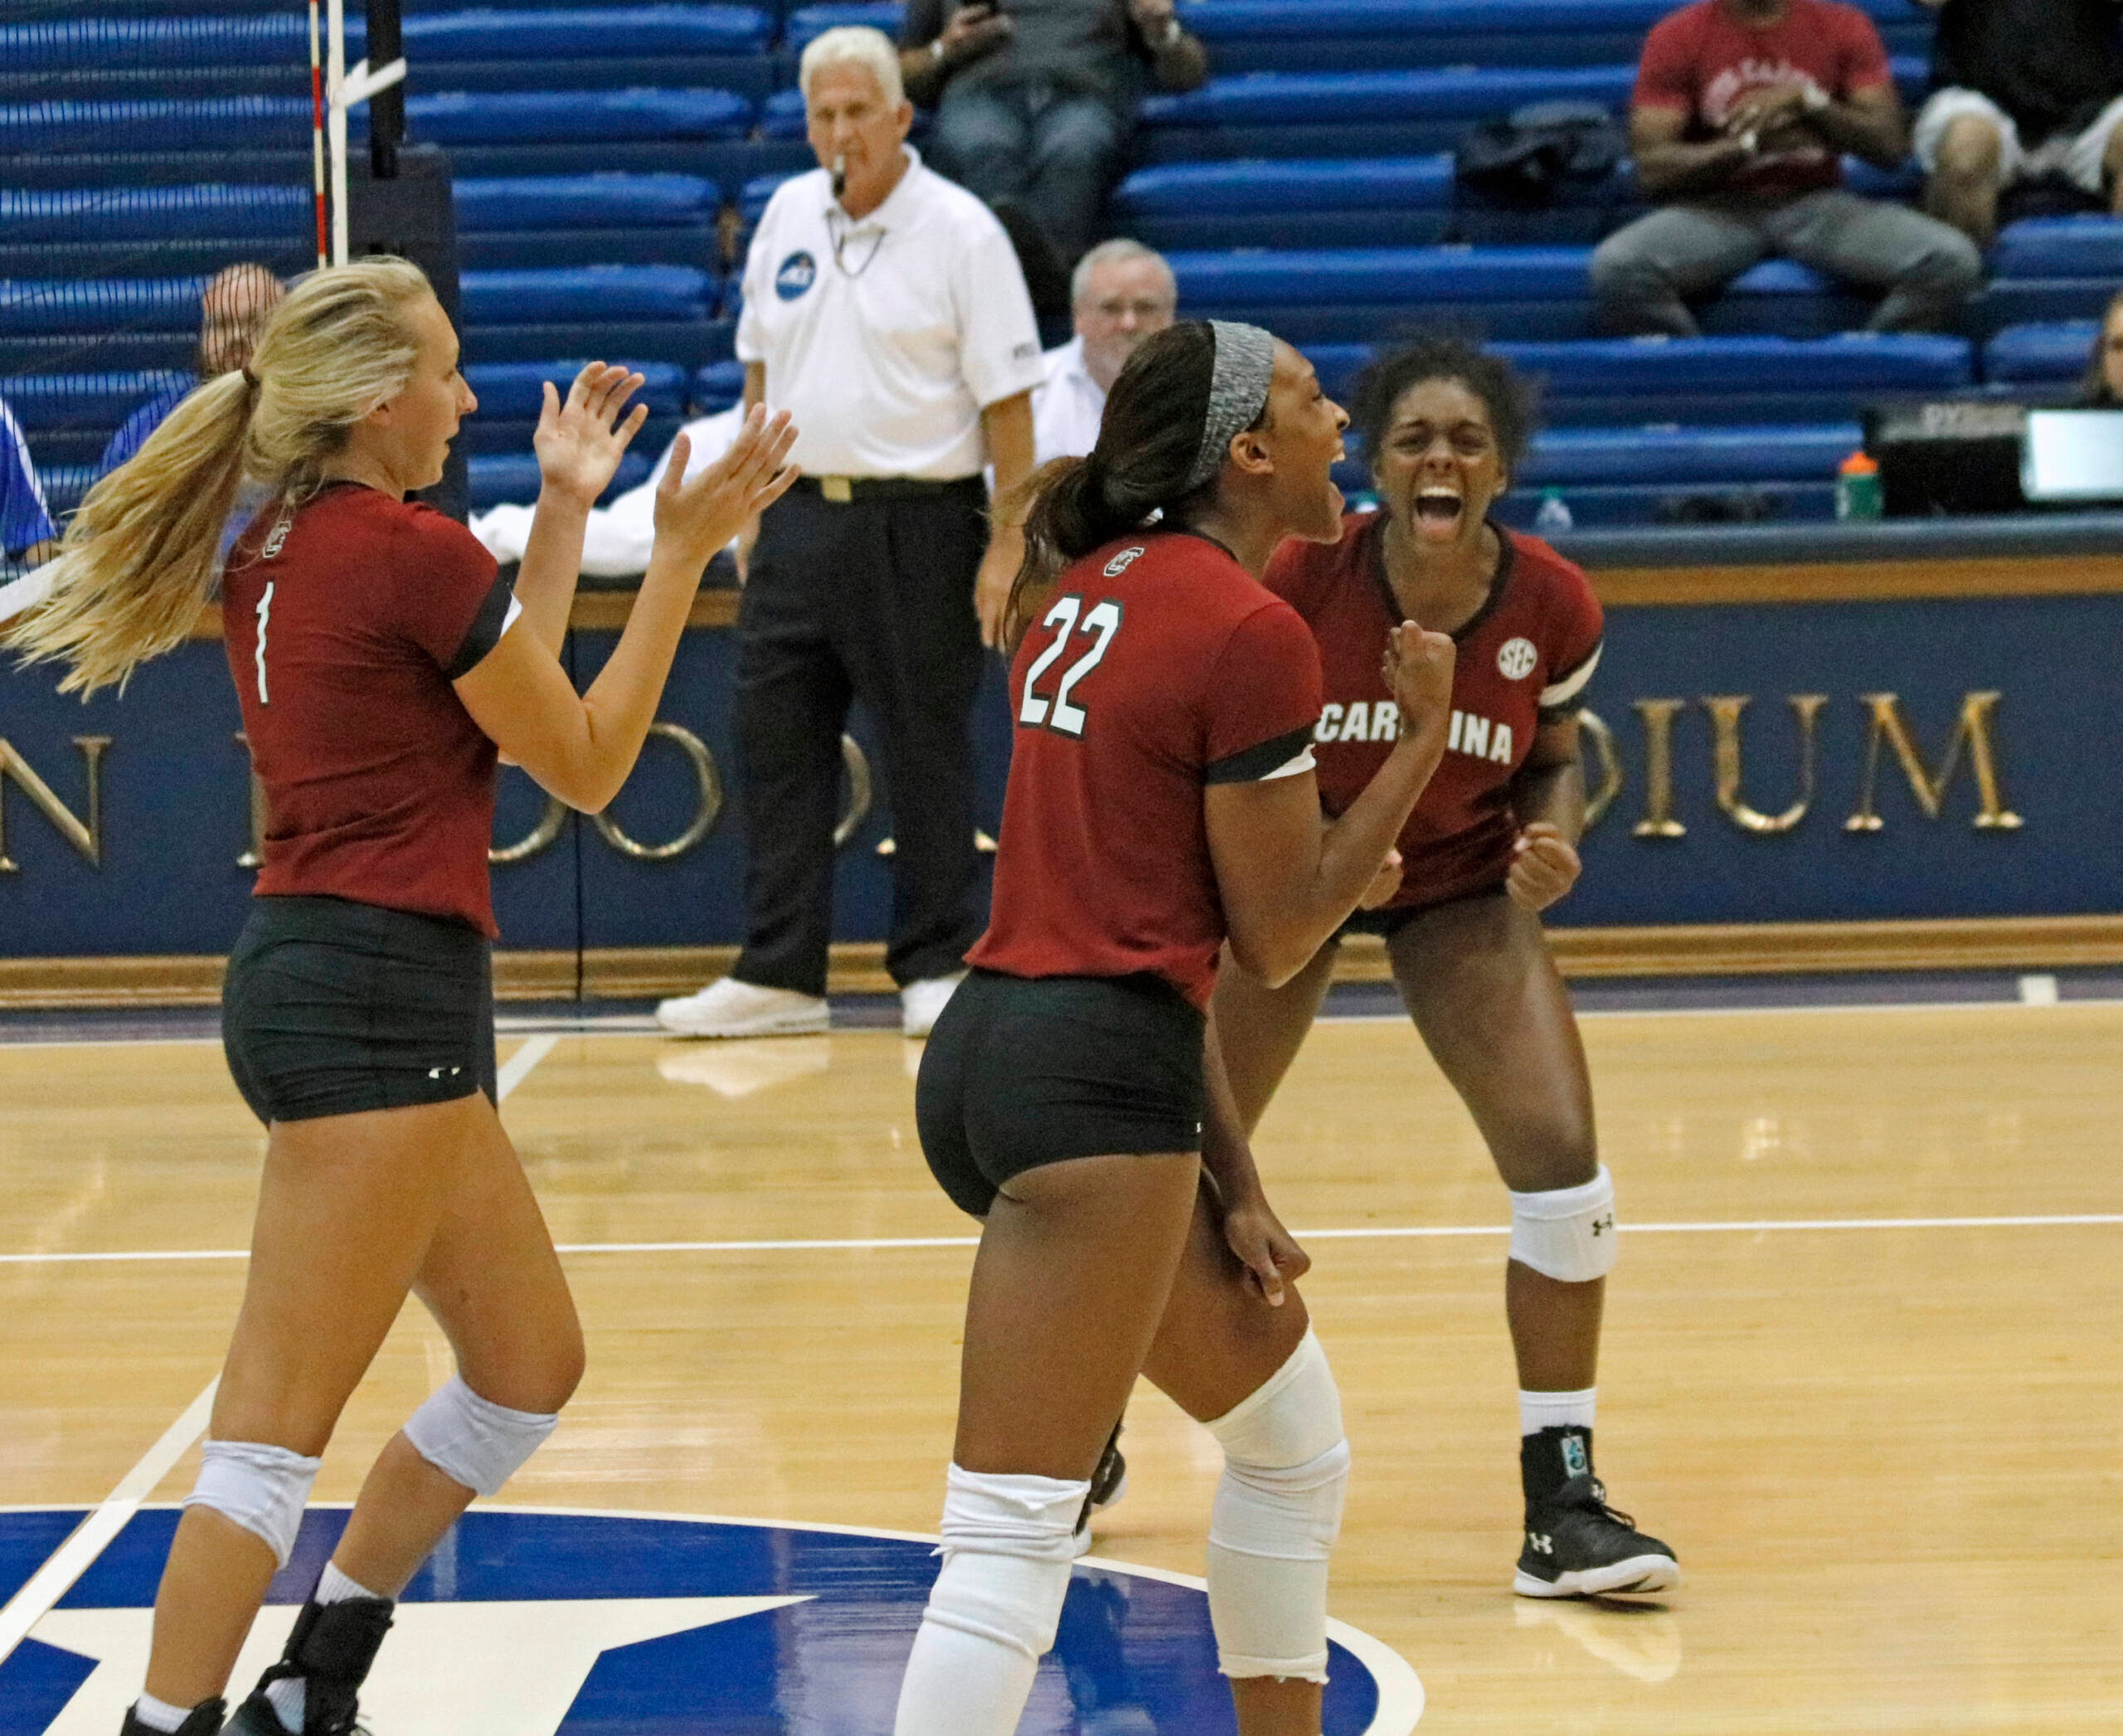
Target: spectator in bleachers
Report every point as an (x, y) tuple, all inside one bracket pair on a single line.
[(884, 308), (1034, 102), (26, 531), (233, 310), (1122, 295), (2022, 90), (2102, 388), (1741, 114)]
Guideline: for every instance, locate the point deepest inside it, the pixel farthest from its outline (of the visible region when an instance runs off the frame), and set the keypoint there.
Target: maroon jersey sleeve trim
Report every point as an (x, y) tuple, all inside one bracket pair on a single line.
[(1251, 765), (1566, 693), (485, 632)]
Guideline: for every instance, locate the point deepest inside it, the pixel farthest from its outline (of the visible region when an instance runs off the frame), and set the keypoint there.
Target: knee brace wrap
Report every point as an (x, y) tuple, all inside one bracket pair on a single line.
[(1007, 1544), (474, 1441), (1278, 1511), (1566, 1234), (261, 1488)]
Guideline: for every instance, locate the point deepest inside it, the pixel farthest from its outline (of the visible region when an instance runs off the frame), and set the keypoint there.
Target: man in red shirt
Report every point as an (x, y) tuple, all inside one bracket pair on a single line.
[(1742, 111)]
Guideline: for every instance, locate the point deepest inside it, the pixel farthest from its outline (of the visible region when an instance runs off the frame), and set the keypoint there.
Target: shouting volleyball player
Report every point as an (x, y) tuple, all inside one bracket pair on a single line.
[(1161, 798), (380, 662), (1492, 843)]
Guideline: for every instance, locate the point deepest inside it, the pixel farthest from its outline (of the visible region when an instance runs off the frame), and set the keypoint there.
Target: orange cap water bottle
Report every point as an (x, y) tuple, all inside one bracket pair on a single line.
[(1858, 488)]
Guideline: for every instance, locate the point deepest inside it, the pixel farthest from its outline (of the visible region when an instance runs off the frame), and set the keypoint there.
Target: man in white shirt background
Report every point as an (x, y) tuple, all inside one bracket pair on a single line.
[(1122, 295), (884, 308)]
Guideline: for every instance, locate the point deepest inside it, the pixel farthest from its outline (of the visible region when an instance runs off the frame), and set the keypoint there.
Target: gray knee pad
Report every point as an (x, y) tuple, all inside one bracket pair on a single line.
[(474, 1441)]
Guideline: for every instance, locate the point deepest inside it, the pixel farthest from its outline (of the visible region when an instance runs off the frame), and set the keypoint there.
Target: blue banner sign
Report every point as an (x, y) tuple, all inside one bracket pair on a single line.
[(1751, 763)]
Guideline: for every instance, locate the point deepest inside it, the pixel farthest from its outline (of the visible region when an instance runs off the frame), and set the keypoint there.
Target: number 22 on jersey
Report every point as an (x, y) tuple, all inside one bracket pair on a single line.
[(1098, 625)]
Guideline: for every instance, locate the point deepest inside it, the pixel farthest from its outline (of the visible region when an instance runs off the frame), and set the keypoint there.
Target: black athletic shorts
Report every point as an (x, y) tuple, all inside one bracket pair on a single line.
[(1026, 1071), (1390, 920), (332, 1007)]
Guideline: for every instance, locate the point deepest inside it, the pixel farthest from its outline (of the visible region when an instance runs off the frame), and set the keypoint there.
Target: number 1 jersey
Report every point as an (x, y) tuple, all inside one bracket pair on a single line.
[(1157, 665)]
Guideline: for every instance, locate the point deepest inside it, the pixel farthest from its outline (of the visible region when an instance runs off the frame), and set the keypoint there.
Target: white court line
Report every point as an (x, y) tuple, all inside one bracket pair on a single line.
[(89, 1538), (1363, 1233)]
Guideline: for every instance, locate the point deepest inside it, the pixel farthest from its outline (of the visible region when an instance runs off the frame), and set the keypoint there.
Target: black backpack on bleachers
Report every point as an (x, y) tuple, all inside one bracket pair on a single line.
[(1543, 155)]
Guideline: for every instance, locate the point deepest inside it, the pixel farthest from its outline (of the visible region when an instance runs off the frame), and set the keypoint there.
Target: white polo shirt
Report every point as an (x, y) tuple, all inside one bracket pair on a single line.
[(886, 338), (1067, 407)]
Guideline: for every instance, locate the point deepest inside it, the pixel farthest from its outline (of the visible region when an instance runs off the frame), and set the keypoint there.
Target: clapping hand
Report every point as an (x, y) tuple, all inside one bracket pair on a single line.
[(1543, 866), (696, 516), (580, 442)]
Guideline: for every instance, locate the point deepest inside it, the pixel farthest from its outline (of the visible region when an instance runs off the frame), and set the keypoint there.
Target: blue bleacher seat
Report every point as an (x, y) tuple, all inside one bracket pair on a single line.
[(44, 403), (718, 385), (632, 32), (2053, 352), (1667, 456), (513, 391), (807, 23), (1300, 203), (572, 201), (751, 201), (781, 116), (221, 124), (545, 117), (33, 306), (588, 293), (2060, 247), (158, 214), (689, 344)]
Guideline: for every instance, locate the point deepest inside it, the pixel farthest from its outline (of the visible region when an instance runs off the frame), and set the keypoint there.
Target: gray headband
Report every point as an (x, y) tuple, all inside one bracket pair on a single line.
[(1238, 391)]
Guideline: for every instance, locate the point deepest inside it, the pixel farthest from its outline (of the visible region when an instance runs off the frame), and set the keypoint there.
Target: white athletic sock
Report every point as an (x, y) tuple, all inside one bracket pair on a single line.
[(159, 1714), (1537, 1411), (335, 1588), (290, 1698)]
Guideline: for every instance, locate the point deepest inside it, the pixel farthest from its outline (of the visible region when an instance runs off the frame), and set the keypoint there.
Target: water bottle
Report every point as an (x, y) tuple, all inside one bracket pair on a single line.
[(1554, 514), (1858, 488)]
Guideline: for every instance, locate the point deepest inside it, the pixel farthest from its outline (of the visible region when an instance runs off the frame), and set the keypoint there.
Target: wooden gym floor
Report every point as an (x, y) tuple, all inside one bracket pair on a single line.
[(1861, 1365)]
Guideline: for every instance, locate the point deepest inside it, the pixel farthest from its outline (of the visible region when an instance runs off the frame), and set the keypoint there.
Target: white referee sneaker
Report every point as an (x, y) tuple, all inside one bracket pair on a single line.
[(884, 308)]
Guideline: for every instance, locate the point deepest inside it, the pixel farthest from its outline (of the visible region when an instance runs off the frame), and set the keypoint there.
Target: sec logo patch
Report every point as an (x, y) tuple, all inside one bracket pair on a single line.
[(530, 1621), (1516, 660), (1122, 561), (795, 274)]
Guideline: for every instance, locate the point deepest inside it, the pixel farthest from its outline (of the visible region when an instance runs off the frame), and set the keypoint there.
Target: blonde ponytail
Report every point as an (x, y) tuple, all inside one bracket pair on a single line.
[(143, 554)]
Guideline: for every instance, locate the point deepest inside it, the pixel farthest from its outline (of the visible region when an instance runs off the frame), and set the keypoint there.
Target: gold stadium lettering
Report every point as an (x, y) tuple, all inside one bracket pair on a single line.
[(86, 836), (1973, 727)]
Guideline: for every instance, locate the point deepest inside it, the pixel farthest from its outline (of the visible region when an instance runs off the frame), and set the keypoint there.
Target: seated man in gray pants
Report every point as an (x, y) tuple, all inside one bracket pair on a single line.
[(1741, 115)]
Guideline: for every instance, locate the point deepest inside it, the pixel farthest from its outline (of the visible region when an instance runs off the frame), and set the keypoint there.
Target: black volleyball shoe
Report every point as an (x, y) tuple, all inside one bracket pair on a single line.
[(1109, 1483), (331, 1649), (1577, 1546), (205, 1720)]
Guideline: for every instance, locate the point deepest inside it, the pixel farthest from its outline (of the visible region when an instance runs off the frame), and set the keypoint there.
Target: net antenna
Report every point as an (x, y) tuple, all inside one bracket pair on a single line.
[(343, 89)]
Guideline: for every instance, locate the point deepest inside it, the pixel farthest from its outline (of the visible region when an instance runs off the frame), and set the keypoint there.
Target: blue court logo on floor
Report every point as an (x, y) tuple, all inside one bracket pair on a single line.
[(530, 1622)]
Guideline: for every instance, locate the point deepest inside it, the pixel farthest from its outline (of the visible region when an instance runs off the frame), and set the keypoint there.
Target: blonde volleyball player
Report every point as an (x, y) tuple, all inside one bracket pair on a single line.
[(380, 664)]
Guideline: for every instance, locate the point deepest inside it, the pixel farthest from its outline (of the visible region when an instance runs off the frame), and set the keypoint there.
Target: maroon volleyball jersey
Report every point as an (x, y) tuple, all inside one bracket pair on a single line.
[(1525, 656), (346, 623), (1157, 666)]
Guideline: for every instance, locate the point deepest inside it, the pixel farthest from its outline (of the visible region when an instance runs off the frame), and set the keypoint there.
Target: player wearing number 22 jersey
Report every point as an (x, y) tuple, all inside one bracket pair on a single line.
[(1524, 657), (1157, 665)]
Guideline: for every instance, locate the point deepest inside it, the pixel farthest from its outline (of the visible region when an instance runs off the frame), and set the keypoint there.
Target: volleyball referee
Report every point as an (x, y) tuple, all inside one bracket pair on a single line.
[(885, 308), (381, 663)]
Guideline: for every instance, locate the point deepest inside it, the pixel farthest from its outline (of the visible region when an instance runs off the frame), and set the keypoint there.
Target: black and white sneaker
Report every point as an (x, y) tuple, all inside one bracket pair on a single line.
[(1577, 1546), (205, 1720), (1109, 1483)]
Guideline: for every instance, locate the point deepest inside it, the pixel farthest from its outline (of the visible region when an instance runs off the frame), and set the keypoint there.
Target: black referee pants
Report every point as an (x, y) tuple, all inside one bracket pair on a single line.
[(871, 601)]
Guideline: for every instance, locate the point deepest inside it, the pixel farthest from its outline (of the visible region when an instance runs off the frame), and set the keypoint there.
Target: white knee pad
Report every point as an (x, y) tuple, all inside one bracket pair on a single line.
[(474, 1441), (1009, 1542), (264, 1489), (1278, 1511), (1567, 1234)]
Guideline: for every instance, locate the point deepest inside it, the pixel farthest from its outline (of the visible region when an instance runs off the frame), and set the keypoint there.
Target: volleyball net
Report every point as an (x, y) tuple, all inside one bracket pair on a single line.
[(160, 160)]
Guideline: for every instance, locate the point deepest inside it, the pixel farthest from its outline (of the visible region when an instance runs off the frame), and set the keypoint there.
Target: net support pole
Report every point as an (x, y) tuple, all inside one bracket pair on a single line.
[(345, 89)]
